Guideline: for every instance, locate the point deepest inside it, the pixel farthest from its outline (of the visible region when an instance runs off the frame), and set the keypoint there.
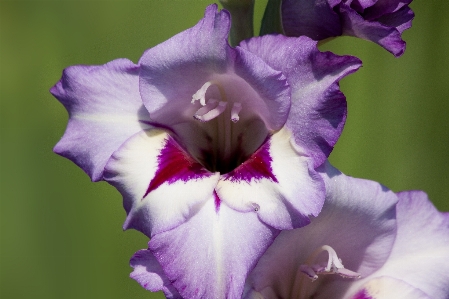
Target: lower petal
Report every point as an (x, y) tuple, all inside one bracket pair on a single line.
[(210, 255), (277, 183), (157, 194), (149, 274)]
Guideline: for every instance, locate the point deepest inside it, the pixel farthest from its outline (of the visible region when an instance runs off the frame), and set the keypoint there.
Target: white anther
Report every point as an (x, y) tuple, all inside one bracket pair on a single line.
[(236, 107), (211, 114), (200, 95)]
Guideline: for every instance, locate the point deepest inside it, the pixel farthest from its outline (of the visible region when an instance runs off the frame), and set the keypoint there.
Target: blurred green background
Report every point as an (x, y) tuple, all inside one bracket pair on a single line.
[(61, 234)]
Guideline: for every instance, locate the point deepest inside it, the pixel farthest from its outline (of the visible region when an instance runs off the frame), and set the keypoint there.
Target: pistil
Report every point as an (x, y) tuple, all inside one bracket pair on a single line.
[(211, 114), (211, 104)]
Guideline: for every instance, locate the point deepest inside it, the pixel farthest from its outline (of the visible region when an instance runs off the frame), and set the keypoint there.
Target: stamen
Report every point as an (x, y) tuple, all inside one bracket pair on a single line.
[(211, 104), (236, 107), (212, 113), (200, 95), (333, 266)]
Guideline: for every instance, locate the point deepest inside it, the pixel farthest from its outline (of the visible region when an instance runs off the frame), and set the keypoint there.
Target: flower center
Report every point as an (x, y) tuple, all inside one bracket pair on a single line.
[(213, 108), (232, 134)]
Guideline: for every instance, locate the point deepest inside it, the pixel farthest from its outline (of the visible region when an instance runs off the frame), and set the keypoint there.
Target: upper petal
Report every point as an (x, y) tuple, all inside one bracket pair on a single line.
[(318, 110), (174, 70), (270, 85), (104, 108), (162, 186), (210, 255), (357, 221), (179, 68), (197, 66)]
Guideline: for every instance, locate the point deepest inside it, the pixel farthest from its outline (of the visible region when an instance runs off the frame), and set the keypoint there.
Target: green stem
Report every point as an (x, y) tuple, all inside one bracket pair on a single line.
[(272, 18), (242, 12)]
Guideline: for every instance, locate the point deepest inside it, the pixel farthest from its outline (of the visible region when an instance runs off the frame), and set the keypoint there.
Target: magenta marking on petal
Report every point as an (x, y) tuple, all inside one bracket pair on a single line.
[(217, 201), (362, 294), (256, 167), (174, 164)]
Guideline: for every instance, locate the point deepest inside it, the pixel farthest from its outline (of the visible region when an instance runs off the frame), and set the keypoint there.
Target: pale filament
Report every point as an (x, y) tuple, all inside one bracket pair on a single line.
[(221, 107), (211, 104), (212, 108)]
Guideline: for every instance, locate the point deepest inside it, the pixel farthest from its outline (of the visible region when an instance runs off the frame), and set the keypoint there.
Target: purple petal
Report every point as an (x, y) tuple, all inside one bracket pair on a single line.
[(357, 221), (271, 87), (361, 5), (318, 109), (421, 250), (158, 195), (174, 70), (314, 19), (149, 274), (401, 19), (387, 37), (210, 255), (104, 108), (278, 183), (384, 7)]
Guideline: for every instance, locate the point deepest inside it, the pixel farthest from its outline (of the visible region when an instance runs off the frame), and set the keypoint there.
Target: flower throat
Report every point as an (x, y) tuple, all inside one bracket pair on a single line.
[(228, 144)]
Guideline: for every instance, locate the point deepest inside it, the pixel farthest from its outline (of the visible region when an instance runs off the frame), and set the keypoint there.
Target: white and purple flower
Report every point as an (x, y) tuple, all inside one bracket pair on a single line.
[(397, 244), (213, 148), (379, 21)]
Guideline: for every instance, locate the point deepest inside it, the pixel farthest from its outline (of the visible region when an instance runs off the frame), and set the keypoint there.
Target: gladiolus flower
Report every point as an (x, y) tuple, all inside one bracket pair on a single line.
[(213, 148), (391, 246)]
